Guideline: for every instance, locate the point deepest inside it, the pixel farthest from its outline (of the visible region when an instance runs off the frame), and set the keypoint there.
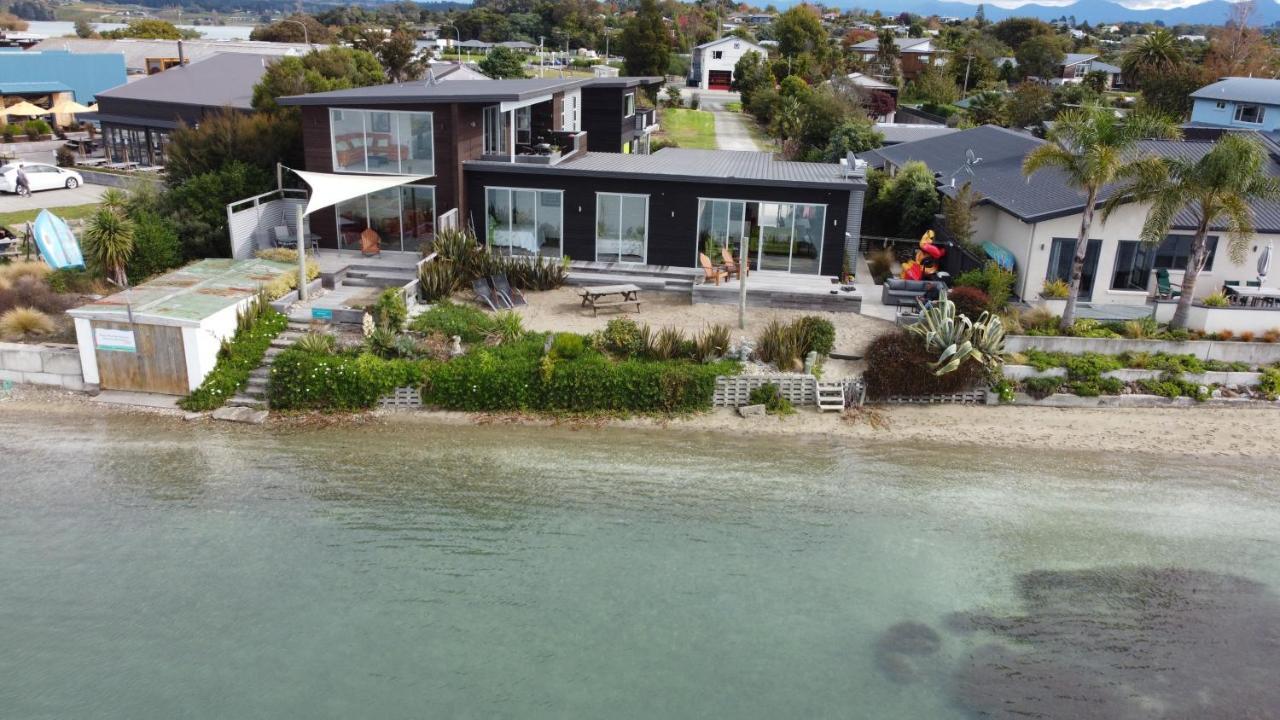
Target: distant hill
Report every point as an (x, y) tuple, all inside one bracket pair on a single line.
[(1213, 12)]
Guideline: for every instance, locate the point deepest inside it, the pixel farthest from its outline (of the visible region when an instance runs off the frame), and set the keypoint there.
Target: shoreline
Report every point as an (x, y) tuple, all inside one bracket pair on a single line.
[(1198, 432)]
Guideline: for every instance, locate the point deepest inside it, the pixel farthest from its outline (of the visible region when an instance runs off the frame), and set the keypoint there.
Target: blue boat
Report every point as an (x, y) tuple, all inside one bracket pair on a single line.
[(58, 245)]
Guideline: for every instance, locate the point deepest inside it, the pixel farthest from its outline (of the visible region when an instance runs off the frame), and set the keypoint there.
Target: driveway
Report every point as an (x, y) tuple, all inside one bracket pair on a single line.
[(731, 127), (62, 197)]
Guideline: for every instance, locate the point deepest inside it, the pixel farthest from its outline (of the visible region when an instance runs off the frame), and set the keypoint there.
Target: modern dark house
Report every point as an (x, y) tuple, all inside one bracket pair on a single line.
[(137, 117), (558, 167)]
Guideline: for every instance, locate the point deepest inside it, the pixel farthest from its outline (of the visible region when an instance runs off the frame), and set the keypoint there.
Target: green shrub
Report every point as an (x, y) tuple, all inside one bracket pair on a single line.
[(1055, 289), (623, 337), (508, 326), (1089, 328), (390, 310), (302, 380), (817, 334), (993, 280), (1041, 360), (568, 346), (1217, 299), (1041, 387), (1090, 366), (1142, 329), (156, 247), (1110, 385), (668, 344), (236, 359), (1085, 389), (775, 403), (1171, 385), (469, 323), (713, 343), (970, 301)]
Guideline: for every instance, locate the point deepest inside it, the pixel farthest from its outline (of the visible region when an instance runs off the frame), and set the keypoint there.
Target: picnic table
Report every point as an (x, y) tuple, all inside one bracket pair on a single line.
[(1254, 296), (598, 296), (91, 161)]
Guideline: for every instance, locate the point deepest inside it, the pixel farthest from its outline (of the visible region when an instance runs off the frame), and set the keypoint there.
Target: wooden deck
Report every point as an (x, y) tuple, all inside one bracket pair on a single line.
[(782, 290)]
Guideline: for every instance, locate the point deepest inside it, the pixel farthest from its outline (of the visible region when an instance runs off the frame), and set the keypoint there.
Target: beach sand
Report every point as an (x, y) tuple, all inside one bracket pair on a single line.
[(1165, 432)]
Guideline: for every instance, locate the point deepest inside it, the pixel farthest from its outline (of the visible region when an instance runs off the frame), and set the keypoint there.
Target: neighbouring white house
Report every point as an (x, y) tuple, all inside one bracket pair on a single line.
[(712, 64), (1037, 220)]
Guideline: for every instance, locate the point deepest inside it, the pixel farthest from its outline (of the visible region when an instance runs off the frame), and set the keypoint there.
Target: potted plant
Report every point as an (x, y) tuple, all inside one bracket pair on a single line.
[(1053, 296)]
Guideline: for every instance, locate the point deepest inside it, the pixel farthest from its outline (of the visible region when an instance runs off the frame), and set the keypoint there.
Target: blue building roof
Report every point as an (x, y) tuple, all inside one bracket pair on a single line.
[(84, 74)]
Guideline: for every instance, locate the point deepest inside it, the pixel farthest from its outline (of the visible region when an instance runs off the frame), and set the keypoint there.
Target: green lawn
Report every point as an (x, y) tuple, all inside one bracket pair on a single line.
[(71, 212), (690, 128)]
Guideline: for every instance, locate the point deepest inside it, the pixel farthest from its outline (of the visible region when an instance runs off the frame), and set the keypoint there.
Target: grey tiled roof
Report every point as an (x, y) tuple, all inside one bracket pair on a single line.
[(1076, 58), (904, 44), (1257, 90), (224, 80), (719, 166), (1045, 195)]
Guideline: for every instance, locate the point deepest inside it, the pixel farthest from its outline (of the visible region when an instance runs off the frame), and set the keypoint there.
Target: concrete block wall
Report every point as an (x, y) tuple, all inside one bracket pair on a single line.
[(49, 364)]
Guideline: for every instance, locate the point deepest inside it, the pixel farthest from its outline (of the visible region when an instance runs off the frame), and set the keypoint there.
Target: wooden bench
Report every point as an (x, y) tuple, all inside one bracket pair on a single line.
[(603, 296)]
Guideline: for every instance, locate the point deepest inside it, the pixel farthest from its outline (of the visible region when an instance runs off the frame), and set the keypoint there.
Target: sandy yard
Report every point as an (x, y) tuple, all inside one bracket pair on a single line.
[(561, 310)]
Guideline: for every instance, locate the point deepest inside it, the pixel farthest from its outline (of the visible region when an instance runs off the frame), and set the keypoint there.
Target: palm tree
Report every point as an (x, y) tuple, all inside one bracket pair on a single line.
[(888, 56), (1093, 148), (113, 199), (1218, 188), (108, 243), (1151, 55)]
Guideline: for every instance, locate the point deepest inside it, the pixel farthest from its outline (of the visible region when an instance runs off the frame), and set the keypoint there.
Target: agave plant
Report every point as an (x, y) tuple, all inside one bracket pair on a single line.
[(955, 338)]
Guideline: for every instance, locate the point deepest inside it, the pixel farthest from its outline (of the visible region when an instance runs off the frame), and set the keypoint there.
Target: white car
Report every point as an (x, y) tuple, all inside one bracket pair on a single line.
[(40, 176)]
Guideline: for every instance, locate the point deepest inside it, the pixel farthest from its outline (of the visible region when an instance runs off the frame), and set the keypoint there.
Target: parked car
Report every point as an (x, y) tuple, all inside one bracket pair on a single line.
[(40, 176)]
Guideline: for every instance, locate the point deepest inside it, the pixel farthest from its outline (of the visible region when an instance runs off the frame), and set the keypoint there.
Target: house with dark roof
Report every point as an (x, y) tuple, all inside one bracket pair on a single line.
[(1074, 68), (1234, 102), (137, 118), (562, 168), (1037, 219)]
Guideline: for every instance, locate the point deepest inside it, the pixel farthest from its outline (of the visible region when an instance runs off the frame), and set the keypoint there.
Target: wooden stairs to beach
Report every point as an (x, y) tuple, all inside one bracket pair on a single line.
[(254, 393)]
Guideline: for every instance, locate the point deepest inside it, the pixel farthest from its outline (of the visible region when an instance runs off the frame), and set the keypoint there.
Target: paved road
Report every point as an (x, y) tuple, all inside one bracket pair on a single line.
[(62, 197), (731, 127)]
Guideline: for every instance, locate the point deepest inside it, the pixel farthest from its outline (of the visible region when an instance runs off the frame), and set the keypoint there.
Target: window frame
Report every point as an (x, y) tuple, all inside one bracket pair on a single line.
[(435, 212), (1140, 250), (1260, 109), (629, 105), (796, 207), (394, 128), (644, 258)]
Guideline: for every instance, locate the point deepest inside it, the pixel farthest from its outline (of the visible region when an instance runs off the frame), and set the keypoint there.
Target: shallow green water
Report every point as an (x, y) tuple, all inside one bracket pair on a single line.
[(150, 569)]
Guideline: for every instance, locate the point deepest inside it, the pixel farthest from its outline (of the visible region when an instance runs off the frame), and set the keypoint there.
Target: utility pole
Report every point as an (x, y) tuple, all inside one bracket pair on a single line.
[(967, 65), (542, 57)]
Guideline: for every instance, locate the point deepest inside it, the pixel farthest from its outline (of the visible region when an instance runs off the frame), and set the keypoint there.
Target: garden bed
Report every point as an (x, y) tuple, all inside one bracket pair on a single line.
[(1255, 353)]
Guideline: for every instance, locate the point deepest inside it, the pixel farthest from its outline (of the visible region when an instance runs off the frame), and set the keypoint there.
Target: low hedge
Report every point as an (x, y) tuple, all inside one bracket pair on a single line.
[(302, 380), (235, 361), (511, 377)]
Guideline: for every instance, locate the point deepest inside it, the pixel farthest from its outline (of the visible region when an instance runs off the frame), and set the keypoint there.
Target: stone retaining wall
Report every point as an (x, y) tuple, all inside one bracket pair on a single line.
[(1254, 353), (1213, 377), (48, 364)]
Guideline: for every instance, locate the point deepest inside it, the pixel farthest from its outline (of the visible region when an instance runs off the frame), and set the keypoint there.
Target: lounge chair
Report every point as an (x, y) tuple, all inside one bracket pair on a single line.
[(731, 266), (711, 272), (484, 295), (1165, 289), (283, 238), (504, 291)]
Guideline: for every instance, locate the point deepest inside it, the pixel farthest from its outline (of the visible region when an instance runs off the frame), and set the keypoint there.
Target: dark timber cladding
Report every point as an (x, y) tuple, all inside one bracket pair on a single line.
[(673, 203)]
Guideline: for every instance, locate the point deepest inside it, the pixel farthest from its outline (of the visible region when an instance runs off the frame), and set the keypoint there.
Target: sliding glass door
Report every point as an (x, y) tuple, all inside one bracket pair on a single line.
[(785, 237), (622, 227), (403, 217), (1062, 254), (524, 222)]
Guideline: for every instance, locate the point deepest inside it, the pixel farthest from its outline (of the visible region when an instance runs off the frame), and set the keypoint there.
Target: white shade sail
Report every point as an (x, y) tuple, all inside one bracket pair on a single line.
[(329, 189)]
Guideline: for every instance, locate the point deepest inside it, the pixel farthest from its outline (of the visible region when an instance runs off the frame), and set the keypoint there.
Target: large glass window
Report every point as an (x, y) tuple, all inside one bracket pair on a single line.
[(382, 141), (622, 227), (1175, 252), (628, 105), (786, 237), (1060, 257), (1133, 266), (524, 222), (524, 125), (403, 217)]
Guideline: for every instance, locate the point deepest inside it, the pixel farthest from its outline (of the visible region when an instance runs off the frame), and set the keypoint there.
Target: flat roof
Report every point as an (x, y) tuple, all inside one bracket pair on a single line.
[(455, 91), (223, 80), (19, 88), (188, 295), (732, 167), (420, 91)]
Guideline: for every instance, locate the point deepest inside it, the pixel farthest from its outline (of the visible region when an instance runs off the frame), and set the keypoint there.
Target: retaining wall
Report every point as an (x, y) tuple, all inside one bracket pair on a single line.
[(1255, 353), (1022, 372), (97, 177), (734, 390), (48, 364)]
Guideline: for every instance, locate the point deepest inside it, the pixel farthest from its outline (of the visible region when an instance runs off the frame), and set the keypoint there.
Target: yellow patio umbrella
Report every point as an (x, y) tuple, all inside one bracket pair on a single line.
[(67, 106), (26, 109), (92, 108)]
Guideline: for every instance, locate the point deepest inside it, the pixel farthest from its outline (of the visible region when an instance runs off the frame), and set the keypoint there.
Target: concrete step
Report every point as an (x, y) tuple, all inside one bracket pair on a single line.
[(379, 281), (247, 401)]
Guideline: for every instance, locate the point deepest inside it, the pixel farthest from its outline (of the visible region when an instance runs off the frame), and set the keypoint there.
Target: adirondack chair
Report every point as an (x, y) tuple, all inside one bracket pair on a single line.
[(711, 272), (1164, 288), (731, 265)]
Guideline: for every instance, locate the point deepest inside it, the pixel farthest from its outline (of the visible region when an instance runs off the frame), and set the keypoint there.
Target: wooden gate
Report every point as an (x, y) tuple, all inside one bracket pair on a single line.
[(158, 364)]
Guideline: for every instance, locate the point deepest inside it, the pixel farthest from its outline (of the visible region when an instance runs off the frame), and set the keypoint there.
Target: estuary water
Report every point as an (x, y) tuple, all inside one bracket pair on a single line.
[(155, 569)]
